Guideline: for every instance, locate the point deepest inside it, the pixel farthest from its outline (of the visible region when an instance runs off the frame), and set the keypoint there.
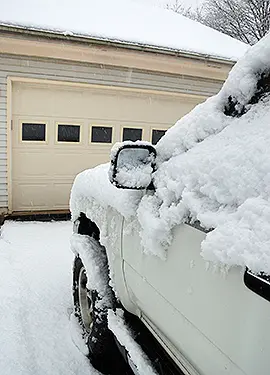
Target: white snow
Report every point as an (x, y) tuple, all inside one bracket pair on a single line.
[(123, 334), (218, 172), (134, 166), (121, 21), (35, 294), (77, 335), (95, 262), (94, 190), (212, 168)]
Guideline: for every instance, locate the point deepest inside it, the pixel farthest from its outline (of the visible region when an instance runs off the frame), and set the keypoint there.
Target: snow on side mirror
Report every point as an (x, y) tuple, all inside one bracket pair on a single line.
[(132, 165)]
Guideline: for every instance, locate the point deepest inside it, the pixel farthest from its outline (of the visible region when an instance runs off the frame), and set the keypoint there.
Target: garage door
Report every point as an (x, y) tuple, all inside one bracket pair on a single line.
[(60, 130)]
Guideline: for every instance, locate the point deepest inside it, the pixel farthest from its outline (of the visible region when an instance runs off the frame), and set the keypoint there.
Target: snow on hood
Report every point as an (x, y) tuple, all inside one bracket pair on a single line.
[(121, 21), (92, 193), (213, 166)]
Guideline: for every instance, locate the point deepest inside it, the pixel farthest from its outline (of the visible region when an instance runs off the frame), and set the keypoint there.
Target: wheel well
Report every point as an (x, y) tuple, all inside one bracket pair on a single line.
[(88, 227)]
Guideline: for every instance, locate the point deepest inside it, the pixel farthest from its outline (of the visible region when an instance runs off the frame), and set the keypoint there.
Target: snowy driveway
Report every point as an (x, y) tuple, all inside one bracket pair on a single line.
[(35, 295)]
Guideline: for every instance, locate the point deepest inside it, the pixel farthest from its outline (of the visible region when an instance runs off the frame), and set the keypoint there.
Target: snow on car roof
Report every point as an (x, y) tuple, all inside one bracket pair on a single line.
[(121, 21), (213, 166)]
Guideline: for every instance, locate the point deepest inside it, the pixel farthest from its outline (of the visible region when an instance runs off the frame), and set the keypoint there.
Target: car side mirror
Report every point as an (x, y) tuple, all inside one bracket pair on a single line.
[(132, 165)]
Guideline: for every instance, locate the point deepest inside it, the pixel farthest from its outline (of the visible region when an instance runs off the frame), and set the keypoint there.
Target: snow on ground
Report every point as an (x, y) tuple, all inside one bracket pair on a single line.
[(35, 294), (122, 21)]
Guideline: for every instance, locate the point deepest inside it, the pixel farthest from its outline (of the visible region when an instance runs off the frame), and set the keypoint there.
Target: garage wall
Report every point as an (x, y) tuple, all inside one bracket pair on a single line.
[(85, 73)]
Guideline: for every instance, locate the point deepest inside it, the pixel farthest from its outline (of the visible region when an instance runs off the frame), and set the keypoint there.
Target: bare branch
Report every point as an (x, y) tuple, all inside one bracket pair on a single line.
[(246, 20)]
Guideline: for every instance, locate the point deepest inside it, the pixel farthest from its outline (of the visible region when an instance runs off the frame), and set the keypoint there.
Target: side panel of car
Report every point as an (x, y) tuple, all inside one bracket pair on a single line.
[(207, 314), (113, 244)]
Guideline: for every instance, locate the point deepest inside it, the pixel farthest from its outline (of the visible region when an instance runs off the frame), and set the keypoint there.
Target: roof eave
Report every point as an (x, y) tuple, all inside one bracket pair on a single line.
[(110, 42)]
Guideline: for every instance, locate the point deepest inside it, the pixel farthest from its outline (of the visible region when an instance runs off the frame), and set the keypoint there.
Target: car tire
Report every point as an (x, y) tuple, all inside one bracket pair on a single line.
[(103, 352)]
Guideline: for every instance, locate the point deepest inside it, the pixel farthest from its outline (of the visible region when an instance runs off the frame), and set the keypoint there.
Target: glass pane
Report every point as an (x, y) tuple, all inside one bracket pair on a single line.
[(132, 134), (33, 132), (134, 168), (101, 134), (68, 133), (156, 135)]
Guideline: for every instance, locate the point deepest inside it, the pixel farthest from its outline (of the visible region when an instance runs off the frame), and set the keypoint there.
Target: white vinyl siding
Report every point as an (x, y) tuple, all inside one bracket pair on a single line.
[(40, 68)]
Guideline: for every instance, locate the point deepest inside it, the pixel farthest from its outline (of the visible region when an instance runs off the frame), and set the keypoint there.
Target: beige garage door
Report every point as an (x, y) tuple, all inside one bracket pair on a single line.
[(60, 130)]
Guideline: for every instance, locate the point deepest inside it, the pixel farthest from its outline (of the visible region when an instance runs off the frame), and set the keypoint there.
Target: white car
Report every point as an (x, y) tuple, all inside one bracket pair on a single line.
[(177, 237)]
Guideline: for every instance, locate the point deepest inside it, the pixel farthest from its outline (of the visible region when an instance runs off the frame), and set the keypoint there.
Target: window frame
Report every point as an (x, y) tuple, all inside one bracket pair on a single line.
[(67, 123), (151, 133), (132, 127), (21, 122), (104, 144)]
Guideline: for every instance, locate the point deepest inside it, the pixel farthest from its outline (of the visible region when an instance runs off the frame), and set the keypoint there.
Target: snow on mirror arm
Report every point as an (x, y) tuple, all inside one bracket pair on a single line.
[(132, 165)]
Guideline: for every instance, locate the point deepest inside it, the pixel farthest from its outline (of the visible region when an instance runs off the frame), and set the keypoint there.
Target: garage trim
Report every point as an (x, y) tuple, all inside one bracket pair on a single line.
[(127, 126), (101, 144), (9, 143), (67, 123), (156, 128), (103, 87), (204, 67), (21, 121)]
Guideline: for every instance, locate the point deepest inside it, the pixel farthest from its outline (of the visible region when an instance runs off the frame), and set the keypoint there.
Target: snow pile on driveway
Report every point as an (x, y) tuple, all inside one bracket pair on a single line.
[(35, 293), (213, 166)]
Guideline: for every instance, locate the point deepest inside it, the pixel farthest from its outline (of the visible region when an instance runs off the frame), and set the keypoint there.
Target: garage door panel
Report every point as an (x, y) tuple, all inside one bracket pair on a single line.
[(46, 195), (25, 96), (68, 165), (61, 194), (105, 104), (81, 162), (43, 172), (34, 164), (30, 196)]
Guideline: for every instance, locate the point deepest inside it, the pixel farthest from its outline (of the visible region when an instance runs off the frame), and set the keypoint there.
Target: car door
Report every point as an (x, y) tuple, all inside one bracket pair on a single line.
[(205, 315)]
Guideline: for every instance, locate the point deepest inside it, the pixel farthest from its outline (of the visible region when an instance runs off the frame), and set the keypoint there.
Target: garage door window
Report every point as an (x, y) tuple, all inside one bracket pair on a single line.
[(132, 134), (156, 135), (101, 134), (33, 132), (68, 133)]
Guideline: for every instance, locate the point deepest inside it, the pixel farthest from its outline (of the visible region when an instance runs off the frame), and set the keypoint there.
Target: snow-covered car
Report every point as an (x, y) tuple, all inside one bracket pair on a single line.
[(172, 243)]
